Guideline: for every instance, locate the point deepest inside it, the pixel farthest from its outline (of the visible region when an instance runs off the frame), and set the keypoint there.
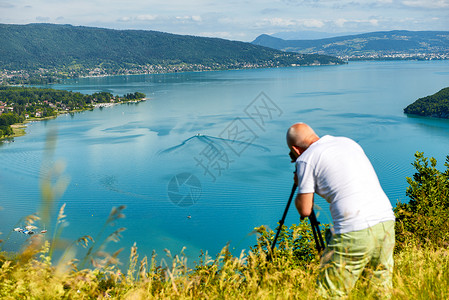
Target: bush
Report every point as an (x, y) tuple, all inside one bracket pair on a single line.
[(296, 242), (423, 221), (5, 130)]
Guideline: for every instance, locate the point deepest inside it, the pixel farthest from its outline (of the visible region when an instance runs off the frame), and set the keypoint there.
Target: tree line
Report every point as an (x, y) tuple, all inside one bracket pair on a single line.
[(20, 103)]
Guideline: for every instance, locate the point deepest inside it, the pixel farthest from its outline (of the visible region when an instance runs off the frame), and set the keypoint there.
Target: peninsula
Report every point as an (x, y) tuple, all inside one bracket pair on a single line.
[(23, 104), (436, 105)]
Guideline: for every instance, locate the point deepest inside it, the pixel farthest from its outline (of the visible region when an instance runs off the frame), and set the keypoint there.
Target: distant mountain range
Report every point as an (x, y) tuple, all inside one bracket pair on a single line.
[(393, 44), (73, 48), (308, 35)]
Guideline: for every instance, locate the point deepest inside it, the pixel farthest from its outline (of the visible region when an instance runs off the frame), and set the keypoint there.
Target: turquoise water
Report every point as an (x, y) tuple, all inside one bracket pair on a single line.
[(223, 135)]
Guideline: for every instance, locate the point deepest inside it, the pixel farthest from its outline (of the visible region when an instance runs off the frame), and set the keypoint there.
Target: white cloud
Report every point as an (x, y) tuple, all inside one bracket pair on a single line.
[(281, 22), (374, 22), (340, 22), (220, 34), (311, 23), (371, 21), (233, 19), (188, 19), (168, 19), (146, 17), (124, 19), (427, 3)]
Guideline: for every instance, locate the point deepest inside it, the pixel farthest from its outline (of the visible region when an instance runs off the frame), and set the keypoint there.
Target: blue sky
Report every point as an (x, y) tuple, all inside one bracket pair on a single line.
[(240, 20)]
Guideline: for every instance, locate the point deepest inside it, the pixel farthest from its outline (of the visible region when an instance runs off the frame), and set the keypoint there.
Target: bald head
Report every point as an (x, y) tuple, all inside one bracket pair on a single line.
[(301, 135)]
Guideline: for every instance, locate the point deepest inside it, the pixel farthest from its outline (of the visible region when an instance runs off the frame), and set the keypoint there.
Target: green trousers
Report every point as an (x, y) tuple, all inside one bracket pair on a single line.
[(347, 255)]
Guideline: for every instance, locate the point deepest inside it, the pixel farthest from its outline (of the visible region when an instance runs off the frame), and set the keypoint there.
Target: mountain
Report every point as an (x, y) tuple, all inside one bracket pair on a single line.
[(307, 35), (69, 47), (436, 105), (399, 44)]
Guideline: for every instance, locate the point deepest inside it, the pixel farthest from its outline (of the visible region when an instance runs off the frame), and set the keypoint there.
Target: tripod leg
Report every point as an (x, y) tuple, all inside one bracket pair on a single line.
[(316, 232), (317, 245), (281, 222)]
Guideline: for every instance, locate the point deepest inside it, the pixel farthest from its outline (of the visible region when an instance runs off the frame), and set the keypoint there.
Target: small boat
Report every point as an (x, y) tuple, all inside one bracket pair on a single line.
[(29, 230)]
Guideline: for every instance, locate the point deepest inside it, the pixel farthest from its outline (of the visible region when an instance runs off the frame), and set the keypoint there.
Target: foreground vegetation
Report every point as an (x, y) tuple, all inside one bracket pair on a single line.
[(419, 274), (421, 259)]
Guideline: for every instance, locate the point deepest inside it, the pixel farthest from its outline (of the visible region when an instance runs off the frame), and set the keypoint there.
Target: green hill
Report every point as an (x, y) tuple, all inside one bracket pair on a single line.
[(436, 105), (33, 46), (374, 44)]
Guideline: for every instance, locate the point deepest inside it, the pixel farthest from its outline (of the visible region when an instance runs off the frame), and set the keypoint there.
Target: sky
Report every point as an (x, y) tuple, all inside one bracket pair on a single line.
[(241, 20)]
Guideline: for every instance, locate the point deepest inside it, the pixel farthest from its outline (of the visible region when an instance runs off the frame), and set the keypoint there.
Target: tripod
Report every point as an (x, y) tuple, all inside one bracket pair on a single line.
[(319, 242)]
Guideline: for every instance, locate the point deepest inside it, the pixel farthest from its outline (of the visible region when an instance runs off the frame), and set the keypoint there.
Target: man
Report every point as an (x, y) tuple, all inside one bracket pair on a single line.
[(337, 169)]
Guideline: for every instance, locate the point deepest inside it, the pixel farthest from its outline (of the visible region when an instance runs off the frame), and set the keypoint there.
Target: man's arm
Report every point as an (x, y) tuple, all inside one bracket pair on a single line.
[(304, 204)]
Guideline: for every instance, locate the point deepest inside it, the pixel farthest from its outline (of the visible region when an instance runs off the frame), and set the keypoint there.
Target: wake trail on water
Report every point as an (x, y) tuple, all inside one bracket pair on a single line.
[(216, 141)]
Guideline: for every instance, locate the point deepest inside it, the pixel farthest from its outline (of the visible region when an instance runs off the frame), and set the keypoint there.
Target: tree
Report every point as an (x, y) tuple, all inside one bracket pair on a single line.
[(424, 219), (5, 130)]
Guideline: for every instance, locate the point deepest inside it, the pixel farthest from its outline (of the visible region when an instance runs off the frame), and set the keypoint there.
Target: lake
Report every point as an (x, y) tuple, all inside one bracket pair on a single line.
[(203, 161)]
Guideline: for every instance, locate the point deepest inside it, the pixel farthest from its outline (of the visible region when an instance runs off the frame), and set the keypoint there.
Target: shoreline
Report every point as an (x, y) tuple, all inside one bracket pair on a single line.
[(19, 128), (61, 80)]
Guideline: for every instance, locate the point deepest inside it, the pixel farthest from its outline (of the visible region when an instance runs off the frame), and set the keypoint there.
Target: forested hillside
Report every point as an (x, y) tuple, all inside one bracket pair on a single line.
[(436, 105), (74, 49)]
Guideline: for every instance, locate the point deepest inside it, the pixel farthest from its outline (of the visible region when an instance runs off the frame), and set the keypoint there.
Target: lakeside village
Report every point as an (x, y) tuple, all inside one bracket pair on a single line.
[(22, 104), (395, 56), (48, 109), (53, 75)]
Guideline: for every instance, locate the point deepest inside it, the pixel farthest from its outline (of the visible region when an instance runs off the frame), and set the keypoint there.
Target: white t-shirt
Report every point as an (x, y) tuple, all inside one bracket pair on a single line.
[(337, 169)]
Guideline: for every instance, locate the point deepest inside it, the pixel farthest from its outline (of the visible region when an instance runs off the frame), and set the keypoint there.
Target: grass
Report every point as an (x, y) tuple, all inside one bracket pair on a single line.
[(18, 129), (420, 273)]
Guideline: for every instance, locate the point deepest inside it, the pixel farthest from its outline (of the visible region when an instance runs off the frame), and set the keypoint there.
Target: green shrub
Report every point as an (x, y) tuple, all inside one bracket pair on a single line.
[(295, 242), (423, 221)]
